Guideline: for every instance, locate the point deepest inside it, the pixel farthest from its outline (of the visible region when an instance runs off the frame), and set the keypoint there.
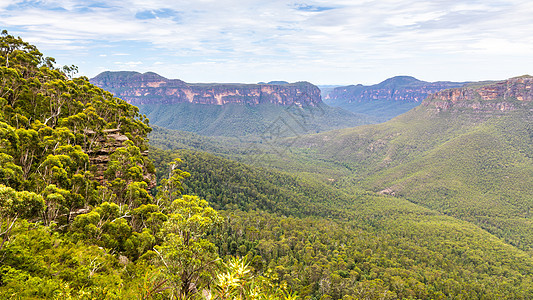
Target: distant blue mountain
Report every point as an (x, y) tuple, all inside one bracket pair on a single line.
[(386, 99)]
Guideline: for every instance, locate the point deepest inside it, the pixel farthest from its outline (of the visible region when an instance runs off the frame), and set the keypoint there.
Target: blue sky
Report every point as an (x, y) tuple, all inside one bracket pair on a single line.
[(324, 42)]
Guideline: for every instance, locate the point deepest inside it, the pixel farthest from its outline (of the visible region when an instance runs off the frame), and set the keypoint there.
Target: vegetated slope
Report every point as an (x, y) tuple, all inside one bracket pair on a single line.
[(252, 150), (229, 109), (77, 214), (387, 99), (167, 139), (322, 240), (464, 152), (71, 166), (482, 176), (78, 220), (250, 120)]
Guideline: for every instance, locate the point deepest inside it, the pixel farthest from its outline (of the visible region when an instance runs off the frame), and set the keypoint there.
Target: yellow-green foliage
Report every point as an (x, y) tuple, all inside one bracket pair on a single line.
[(70, 229), (322, 241)]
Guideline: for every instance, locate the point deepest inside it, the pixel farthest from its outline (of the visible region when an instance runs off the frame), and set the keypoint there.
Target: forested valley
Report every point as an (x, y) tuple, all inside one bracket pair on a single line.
[(91, 210)]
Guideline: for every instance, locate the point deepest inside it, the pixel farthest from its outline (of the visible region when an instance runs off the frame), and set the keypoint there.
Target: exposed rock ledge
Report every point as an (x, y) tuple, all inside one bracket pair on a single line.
[(151, 88), (501, 96)]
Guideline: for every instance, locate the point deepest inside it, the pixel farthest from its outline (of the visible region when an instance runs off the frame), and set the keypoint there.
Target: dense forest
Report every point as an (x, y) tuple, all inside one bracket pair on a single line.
[(327, 242), (468, 163), (236, 120), (78, 218), (90, 210)]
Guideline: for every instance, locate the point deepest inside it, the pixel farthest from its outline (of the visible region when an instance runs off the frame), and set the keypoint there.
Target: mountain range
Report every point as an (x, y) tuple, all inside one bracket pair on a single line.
[(444, 191), (228, 109), (387, 99), (96, 204), (150, 88), (465, 152)]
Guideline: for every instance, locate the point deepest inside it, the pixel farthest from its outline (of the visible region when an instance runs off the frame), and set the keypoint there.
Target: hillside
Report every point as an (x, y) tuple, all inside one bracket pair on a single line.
[(447, 180), (387, 99), (88, 210), (234, 120), (72, 165), (80, 215), (464, 152), (216, 109), (364, 244)]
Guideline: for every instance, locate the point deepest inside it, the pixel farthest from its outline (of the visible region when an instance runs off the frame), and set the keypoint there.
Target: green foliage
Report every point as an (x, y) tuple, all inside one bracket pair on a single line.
[(298, 227), (235, 120), (227, 184), (471, 164), (189, 259), (52, 126), (77, 216), (22, 204), (170, 188), (426, 257), (58, 135), (40, 264), (14, 205), (237, 281), (80, 218)]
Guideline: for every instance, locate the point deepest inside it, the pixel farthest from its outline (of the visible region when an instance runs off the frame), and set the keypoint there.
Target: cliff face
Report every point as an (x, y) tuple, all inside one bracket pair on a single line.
[(400, 88), (503, 95), (151, 88)]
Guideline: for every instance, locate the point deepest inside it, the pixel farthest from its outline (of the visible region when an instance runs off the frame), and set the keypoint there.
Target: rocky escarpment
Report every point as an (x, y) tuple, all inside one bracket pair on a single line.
[(399, 88), (498, 96), (151, 88)]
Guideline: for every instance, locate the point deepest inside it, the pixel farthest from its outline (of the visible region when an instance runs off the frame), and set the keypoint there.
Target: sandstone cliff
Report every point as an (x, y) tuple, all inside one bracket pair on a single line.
[(151, 88), (501, 96)]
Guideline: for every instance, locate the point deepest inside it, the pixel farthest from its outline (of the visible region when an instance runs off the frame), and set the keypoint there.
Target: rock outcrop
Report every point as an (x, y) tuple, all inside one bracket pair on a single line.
[(151, 88), (108, 142), (399, 88), (503, 95)]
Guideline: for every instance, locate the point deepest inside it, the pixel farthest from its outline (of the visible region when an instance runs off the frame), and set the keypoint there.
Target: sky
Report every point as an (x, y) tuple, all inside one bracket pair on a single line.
[(336, 42)]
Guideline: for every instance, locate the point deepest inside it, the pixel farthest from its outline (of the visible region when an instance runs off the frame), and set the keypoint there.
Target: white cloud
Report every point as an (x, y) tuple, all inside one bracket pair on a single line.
[(253, 38), (129, 63)]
